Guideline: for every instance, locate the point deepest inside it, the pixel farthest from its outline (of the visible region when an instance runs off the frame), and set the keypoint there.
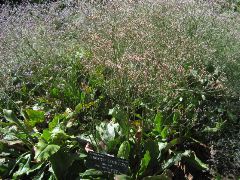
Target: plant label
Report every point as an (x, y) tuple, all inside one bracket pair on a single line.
[(106, 163)]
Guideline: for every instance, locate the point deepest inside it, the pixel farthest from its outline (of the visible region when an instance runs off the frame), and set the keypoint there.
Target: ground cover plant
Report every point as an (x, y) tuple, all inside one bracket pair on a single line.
[(153, 82)]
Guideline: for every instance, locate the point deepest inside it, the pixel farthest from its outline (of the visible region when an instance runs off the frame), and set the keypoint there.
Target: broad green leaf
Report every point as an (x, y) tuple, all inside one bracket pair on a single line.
[(46, 135), (60, 162), (23, 166), (11, 117), (58, 136), (43, 151), (158, 122), (18, 160), (34, 117), (35, 168), (164, 132), (109, 131), (176, 158), (144, 163), (122, 177), (172, 143), (196, 162), (152, 146), (56, 120), (90, 173), (124, 150), (121, 117), (161, 149), (82, 155), (79, 108)]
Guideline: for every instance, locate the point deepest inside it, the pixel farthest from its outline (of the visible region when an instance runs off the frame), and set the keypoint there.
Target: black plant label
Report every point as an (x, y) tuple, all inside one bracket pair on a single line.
[(107, 164)]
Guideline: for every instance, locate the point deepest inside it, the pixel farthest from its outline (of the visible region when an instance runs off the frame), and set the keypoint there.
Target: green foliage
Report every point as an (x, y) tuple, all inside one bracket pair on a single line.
[(43, 151), (33, 117), (144, 163), (124, 150), (56, 153), (135, 81)]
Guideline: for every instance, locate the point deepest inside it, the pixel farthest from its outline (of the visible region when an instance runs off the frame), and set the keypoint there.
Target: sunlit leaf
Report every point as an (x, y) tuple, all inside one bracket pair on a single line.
[(121, 117), (158, 122), (124, 150), (23, 164), (11, 117), (144, 163), (34, 117), (56, 120), (164, 132), (122, 177), (58, 136), (43, 150), (46, 135)]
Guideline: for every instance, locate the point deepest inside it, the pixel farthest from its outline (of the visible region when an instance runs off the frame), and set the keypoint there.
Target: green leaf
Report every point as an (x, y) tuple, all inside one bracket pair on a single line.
[(176, 117), (109, 131), (122, 177), (90, 173), (46, 135), (121, 117), (176, 158), (39, 176), (124, 150), (144, 163), (58, 136), (43, 151), (6, 164), (158, 122), (61, 161), (161, 149), (173, 143), (23, 166), (11, 117), (56, 120), (34, 117), (196, 162), (35, 168), (164, 132), (152, 146), (79, 108)]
